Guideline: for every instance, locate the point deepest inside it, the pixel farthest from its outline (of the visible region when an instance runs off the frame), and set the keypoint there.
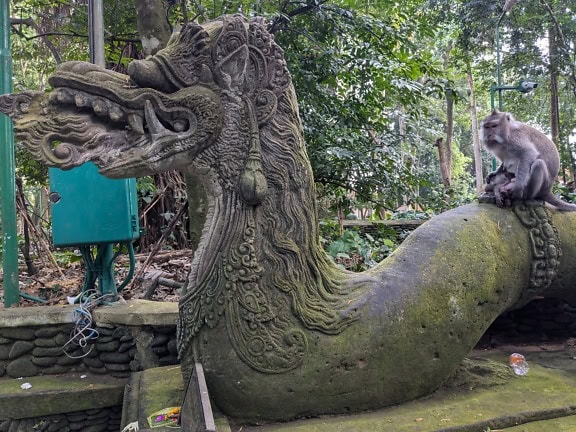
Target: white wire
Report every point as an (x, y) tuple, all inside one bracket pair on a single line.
[(83, 332)]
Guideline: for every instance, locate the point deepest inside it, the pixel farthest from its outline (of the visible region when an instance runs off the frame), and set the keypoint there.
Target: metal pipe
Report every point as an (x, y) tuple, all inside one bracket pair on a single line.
[(8, 171), (105, 254), (132, 266), (96, 32), (31, 297), (105, 268), (498, 67)]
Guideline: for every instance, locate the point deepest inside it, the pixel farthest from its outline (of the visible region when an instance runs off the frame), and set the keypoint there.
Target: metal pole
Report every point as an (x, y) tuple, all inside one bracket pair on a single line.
[(105, 267), (96, 32), (106, 282), (8, 174), (498, 68)]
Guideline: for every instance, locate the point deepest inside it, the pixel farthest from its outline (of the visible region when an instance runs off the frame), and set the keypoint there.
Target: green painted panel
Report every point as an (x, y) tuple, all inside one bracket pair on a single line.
[(88, 208)]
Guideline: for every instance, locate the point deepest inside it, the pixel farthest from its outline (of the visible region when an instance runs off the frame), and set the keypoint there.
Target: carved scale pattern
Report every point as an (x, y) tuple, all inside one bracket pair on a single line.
[(545, 245)]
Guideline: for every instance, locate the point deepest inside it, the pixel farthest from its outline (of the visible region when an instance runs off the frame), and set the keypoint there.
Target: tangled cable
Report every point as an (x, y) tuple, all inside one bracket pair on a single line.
[(83, 330)]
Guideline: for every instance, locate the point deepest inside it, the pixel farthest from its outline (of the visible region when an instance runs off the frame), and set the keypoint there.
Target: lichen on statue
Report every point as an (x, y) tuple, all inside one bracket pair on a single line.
[(281, 331)]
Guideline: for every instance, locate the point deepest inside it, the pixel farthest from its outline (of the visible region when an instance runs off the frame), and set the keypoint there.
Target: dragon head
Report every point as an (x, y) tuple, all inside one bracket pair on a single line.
[(166, 111)]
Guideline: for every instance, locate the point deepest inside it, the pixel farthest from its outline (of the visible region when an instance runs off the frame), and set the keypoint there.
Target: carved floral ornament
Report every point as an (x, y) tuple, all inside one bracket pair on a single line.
[(545, 247)]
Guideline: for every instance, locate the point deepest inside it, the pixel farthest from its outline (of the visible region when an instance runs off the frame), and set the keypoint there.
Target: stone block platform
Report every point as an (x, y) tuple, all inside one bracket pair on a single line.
[(72, 401), (484, 395)]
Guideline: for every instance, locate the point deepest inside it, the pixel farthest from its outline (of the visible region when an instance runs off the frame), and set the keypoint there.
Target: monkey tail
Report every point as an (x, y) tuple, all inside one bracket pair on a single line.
[(558, 203)]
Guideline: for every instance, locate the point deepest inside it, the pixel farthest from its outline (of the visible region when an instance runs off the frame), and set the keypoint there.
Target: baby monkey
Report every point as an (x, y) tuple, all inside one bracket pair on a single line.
[(501, 185), (527, 155)]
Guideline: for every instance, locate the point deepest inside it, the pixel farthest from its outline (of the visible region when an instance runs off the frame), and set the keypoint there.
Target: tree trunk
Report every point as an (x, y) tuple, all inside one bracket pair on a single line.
[(444, 171), (152, 24), (25, 248), (475, 137), (555, 104), (445, 148), (449, 132)]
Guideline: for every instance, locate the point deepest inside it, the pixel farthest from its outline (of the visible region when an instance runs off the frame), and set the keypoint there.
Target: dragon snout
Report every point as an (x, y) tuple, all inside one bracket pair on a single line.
[(147, 74), (18, 104)]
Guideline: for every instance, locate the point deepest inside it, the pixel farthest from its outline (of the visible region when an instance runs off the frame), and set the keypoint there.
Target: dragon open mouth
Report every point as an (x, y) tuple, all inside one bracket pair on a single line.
[(126, 130)]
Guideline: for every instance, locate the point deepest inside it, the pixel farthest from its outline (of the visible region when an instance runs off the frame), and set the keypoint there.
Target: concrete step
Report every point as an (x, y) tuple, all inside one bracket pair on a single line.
[(58, 394)]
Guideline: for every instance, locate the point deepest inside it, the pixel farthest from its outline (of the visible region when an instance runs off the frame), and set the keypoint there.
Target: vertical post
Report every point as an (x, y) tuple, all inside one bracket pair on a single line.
[(106, 282), (498, 67), (8, 173), (498, 76), (96, 32)]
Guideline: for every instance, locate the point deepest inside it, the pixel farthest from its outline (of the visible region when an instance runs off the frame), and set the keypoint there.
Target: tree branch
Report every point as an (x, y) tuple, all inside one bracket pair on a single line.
[(30, 22), (283, 18), (565, 45)]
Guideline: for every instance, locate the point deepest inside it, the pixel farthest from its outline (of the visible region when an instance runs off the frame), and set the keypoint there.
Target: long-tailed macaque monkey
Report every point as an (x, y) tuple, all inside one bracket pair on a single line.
[(526, 153)]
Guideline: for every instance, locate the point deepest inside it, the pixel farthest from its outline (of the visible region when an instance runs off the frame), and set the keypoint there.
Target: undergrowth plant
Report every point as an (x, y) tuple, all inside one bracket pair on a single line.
[(356, 249)]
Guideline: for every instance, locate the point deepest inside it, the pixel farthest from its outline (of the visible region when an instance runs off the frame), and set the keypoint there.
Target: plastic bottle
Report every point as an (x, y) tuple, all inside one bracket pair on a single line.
[(519, 364)]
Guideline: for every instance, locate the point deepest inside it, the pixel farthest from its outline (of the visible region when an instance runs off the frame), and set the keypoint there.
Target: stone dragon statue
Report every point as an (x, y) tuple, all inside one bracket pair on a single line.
[(281, 331)]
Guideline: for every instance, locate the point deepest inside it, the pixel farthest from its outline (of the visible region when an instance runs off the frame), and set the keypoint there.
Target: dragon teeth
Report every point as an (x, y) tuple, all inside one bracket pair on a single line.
[(116, 114), (136, 123), (80, 100), (99, 107), (154, 125)]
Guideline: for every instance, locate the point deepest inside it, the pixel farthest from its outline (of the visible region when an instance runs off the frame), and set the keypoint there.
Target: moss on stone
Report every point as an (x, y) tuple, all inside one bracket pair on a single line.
[(478, 372), (161, 388), (56, 394), (497, 400)]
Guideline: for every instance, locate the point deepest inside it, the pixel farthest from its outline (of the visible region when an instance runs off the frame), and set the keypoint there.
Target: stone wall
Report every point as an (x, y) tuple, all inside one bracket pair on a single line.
[(44, 341), (31, 351), (94, 420)]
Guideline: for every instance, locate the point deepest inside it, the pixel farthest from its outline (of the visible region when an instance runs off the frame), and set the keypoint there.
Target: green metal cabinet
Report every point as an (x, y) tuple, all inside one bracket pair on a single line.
[(90, 209)]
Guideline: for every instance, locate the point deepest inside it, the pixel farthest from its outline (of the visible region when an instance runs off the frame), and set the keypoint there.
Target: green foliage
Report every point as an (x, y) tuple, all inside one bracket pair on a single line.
[(371, 78), (146, 189), (66, 257), (535, 38), (356, 250), (352, 70), (566, 193)]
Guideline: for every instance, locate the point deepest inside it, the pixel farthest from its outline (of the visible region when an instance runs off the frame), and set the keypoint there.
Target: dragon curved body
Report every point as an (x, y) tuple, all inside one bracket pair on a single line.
[(281, 331)]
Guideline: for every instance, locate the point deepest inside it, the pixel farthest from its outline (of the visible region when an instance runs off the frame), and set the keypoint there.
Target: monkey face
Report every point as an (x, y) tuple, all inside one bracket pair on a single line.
[(495, 130)]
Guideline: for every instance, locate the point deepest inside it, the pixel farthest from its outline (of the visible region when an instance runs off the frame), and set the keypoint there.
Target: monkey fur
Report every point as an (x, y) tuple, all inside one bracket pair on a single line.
[(525, 153)]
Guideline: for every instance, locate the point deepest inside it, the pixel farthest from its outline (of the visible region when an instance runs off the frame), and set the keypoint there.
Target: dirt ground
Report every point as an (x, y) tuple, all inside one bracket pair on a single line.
[(54, 284)]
